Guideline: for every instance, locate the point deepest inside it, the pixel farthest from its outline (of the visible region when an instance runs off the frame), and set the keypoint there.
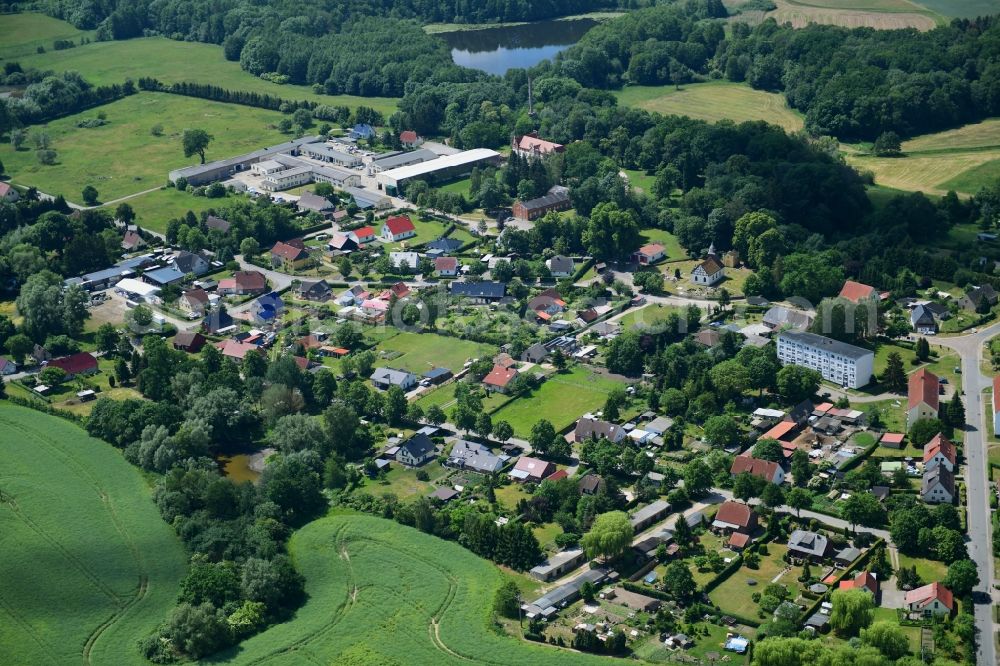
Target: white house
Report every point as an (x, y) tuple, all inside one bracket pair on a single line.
[(939, 451), (938, 486), (408, 260), (384, 378), (933, 599), (397, 228), (560, 266), (416, 450), (836, 361)]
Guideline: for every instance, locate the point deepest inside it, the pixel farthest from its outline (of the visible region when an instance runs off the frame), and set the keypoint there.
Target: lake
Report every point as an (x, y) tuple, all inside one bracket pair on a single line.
[(495, 50)]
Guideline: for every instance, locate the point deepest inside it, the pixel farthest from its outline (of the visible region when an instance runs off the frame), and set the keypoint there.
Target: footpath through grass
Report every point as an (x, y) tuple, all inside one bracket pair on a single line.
[(88, 565), (381, 593)]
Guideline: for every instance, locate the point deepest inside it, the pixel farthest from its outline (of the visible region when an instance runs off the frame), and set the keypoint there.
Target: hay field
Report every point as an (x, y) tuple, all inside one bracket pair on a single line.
[(88, 565), (713, 101), (878, 14), (22, 34)]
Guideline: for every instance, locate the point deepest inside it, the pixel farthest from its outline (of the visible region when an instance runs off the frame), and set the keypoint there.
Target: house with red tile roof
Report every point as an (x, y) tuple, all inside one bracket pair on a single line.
[(649, 254), (939, 451), (234, 349), (132, 241), (783, 431), (397, 228), (8, 193), (923, 390), (738, 541), (735, 517), (863, 581), (290, 255), (243, 283), (529, 145), (499, 378), (75, 364), (398, 290), (532, 469), (856, 292), (362, 235), (762, 469), (933, 599), (410, 139), (446, 266), (892, 440), (193, 301)]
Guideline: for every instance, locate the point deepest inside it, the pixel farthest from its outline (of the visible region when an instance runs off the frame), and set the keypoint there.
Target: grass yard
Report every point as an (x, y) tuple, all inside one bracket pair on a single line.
[(22, 34), (154, 209), (648, 316), (427, 230), (173, 61), (89, 566), (403, 482), (460, 186), (640, 180), (928, 570), (734, 594), (562, 398), (510, 495), (419, 352), (671, 246), (713, 101), (433, 608), (126, 138), (892, 412)]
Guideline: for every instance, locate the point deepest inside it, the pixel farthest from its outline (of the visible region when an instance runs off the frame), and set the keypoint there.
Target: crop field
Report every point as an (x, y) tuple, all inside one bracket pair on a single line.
[(173, 61), (878, 14), (561, 398), (89, 566), (419, 352), (22, 34), (381, 593), (123, 157), (713, 101)]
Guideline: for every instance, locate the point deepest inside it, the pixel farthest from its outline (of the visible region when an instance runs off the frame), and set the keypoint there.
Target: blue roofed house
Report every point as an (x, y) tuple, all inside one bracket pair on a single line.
[(267, 309), (362, 131)]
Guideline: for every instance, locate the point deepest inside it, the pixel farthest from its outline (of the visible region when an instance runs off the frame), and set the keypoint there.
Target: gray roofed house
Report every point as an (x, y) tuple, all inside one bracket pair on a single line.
[(591, 428), (847, 555), (553, 601), (190, 263), (558, 564), (383, 378), (315, 203), (808, 544), (416, 450), (474, 456), (922, 320), (444, 245), (314, 290), (782, 317), (659, 425), (649, 514), (938, 486), (444, 494), (561, 266), (481, 292), (163, 276), (536, 353), (368, 199), (214, 223)]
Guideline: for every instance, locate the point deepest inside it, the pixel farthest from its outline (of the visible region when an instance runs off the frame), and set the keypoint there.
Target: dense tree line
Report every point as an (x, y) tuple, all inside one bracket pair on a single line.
[(57, 95)]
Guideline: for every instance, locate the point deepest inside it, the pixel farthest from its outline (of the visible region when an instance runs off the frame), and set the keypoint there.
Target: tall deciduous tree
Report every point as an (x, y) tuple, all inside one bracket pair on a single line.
[(195, 142), (853, 610), (609, 537)]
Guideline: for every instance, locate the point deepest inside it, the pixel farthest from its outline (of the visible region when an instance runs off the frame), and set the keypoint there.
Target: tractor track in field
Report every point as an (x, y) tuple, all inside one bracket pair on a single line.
[(88, 646)]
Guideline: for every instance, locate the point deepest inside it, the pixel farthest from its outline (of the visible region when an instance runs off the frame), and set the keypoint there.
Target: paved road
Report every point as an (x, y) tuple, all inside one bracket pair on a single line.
[(970, 347)]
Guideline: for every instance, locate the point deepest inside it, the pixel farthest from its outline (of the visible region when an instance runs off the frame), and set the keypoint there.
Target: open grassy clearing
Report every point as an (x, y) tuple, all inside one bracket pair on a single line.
[(713, 101), (434, 607), (931, 173), (977, 135), (419, 352), (962, 8), (22, 34), (562, 398), (123, 157), (154, 209), (671, 246), (89, 566), (172, 61)]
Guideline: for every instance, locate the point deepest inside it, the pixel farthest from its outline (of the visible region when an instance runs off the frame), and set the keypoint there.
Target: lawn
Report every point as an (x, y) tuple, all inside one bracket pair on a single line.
[(381, 593), (640, 180), (89, 566), (892, 412), (460, 186), (444, 397), (562, 399), (427, 230), (671, 246), (170, 61), (648, 316), (22, 34), (131, 158), (734, 594), (403, 482), (928, 570), (419, 352), (713, 101), (154, 209)]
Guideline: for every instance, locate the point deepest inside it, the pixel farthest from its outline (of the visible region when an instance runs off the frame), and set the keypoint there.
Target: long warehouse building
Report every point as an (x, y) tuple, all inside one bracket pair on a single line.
[(445, 167)]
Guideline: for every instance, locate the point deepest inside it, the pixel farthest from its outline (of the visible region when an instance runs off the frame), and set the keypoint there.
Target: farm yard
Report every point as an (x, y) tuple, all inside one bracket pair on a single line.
[(713, 101), (89, 566), (236, 129), (433, 608)]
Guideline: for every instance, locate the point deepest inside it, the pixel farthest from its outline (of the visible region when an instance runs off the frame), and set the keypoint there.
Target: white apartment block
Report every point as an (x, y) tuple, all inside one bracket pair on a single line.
[(837, 361)]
